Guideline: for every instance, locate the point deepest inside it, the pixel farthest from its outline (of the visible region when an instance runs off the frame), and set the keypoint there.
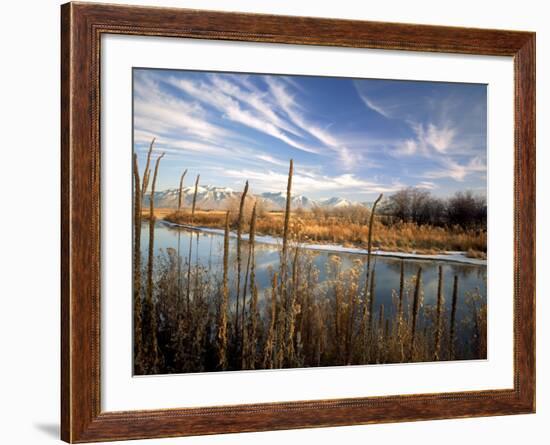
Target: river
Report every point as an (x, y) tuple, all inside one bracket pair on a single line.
[(207, 250)]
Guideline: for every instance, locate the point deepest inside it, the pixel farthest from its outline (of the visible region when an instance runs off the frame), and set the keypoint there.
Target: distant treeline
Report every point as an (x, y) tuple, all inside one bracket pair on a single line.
[(464, 209)]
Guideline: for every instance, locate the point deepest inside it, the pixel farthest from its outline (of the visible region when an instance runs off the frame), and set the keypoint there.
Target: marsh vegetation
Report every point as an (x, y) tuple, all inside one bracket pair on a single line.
[(222, 302)]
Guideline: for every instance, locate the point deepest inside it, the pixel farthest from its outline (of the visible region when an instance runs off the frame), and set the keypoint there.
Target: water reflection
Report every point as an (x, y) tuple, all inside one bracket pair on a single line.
[(207, 251)]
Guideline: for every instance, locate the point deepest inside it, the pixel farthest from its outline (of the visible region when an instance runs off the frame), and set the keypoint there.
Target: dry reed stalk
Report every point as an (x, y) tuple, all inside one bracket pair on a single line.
[(380, 346), (138, 334), (269, 343), (475, 318), (279, 348), (381, 320), (153, 347), (440, 300), (245, 287), (306, 312), (180, 194), (246, 275), (238, 333), (453, 319), (319, 327), (253, 313), (366, 315), (289, 348), (416, 307), (400, 327), (372, 298), (195, 198), (188, 291), (338, 306), (401, 289), (351, 320), (388, 339), (222, 317), (283, 324), (352, 290), (196, 264), (482, 331), (147, 171), (287, 211)]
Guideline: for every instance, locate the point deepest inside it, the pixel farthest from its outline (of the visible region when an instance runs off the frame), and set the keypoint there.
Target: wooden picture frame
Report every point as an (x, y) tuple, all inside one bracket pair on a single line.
[(82, 26)]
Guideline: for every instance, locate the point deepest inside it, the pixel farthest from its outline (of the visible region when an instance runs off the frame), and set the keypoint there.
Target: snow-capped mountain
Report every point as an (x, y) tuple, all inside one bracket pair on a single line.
[(220, 198), (277, 201), (336, 202), (208, 197)]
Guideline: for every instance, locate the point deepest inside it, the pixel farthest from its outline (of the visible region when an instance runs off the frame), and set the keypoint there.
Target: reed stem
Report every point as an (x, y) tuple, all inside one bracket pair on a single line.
[(416, 308), (151, 306), (366, 310), (138, 333), (253, 313), (195, 198), (270, 340), (222, 316), (401, 289), (147, 171), (453, 319), (189, 257), (238, 332), (180, 194), (283, 323), (440, 300)]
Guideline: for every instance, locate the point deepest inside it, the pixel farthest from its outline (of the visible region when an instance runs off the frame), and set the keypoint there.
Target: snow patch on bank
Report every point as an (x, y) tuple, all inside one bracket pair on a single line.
[(453, 256)]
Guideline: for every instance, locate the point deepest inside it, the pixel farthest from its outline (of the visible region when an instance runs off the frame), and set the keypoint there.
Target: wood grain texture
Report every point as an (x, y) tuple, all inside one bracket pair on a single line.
[(81, 28)]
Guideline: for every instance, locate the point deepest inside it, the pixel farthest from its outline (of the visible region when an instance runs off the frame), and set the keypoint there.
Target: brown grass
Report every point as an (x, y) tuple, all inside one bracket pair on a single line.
[(399, 237), (306, 320)]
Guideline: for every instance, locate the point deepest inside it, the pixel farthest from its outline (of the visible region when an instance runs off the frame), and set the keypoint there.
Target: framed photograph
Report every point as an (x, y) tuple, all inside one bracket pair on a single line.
[(276, 222)]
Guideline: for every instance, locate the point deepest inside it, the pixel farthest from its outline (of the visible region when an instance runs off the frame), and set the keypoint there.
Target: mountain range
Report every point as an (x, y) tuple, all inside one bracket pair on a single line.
[(221, 198)]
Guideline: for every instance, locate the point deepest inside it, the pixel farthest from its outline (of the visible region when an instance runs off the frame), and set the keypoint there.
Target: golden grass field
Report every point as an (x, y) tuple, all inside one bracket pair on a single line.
[(398, 237)]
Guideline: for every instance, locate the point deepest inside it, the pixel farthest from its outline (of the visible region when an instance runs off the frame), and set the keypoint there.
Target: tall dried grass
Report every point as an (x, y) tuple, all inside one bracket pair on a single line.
[(439, 317), (224, 305), (398, 237), (151, 353), (303, 320)]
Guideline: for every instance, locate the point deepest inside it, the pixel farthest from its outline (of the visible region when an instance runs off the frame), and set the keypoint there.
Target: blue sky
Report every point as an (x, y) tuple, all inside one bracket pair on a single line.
[(353, 138)]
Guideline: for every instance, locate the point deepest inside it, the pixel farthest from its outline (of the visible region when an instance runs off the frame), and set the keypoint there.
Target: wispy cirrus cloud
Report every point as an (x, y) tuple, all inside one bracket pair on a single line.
[(233, 109), (373, 106), (347, 137), (428, 138), (294, 111), (408, 147), (308, 182), (439, 123), (271, 160), (440, 138), (160, 113), (457, 171), (256, 99), (428, 185)]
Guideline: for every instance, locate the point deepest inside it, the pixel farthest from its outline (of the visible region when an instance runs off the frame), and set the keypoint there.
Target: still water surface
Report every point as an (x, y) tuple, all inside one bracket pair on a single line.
[(207, 250)]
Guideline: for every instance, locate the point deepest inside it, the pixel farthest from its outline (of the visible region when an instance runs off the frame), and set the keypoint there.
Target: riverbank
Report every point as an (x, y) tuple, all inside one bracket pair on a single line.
[(347, 228), (450, 256)]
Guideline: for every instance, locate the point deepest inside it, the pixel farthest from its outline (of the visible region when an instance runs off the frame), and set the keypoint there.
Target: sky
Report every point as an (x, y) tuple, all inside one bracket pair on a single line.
[(351, 138)]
